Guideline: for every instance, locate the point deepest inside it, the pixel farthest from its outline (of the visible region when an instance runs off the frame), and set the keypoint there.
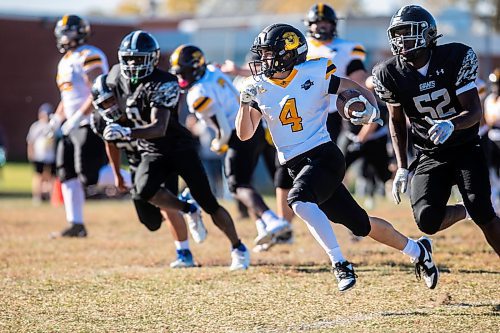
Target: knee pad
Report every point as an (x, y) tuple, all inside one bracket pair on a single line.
[(300, 194), (362, 227), (428, 218)]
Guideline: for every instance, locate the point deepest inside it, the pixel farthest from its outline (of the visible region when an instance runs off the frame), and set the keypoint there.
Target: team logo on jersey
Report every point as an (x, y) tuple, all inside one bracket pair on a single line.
[(308, 84), (291, 40), (427, 85), (439, 71)]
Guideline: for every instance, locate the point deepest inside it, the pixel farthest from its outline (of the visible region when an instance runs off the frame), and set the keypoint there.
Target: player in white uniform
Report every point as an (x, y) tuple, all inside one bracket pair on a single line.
[(292, 95), (212, 97), (80, 153)]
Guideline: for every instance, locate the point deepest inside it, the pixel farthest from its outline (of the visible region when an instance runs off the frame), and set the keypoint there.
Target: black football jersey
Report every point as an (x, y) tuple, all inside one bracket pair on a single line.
[(98, 124), (452, 70), (159, 89)]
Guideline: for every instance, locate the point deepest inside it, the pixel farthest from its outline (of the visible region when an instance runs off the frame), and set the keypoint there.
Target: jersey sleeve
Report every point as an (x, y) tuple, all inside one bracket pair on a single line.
[(333, 81), (466, 71), (165, 95), (200, 102), (97, 124), (92, 59), (384, 84)]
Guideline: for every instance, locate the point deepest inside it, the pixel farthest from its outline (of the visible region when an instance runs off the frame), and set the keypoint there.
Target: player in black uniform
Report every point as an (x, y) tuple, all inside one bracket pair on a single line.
[(149, 97), (433, 85), (107, 111)]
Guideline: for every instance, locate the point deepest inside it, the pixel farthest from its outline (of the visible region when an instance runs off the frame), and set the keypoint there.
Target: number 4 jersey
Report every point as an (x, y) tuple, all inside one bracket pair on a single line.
[(451, 71), (296, 108)]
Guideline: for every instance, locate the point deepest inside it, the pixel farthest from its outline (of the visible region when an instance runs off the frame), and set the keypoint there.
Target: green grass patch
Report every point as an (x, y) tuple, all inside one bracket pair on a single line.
[(16, 178)]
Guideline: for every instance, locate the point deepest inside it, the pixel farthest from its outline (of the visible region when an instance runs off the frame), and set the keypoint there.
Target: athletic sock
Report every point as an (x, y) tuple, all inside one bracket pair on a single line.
[(412, 249), (182, 245), (320, 227), (239, 245), (74, 198)]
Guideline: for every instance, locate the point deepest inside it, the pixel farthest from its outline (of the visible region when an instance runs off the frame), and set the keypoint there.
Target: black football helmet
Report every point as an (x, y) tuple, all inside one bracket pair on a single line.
[(288, 46), (104, 100), (71, 31), (321, 12), (139, 54), (189, 64), (412, 29)]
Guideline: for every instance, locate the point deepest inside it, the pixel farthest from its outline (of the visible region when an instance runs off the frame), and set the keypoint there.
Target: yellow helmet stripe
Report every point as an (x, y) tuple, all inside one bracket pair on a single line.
[(174, 58), (65, 20), (320, 9)]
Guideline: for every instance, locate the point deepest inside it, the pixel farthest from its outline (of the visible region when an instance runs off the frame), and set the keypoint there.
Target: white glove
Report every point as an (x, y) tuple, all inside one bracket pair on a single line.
[(440, 131), (72, 122), (399, 184), (54, 124), (114, 132), (218, 147), (369, 115), (248, 94)]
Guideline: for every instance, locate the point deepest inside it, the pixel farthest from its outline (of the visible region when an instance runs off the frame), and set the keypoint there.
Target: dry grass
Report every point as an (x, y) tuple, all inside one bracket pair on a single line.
[(117, 280)]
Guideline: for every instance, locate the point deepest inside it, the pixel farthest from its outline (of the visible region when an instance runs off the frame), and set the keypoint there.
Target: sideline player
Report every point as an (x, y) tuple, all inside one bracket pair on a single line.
[(433, 85), (80, 153), (212, 97), (150, 99), (296, 117)]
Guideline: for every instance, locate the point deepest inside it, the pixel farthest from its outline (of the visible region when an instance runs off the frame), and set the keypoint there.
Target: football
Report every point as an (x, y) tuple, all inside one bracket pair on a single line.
[(343, 98)]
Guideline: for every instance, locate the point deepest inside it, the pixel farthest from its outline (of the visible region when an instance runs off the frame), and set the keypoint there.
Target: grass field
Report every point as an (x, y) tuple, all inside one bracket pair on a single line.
[(118, 280)]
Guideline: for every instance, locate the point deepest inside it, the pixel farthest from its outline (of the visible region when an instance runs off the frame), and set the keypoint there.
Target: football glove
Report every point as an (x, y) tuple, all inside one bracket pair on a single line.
[(114, 132), (72, 122), (399, 184), (217, 147), (440, 131), (369, 115), (248, 94)]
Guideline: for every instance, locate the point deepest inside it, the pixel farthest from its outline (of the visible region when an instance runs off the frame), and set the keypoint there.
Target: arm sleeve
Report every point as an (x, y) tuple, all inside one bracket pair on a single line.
[(384, 86), (467, 72)]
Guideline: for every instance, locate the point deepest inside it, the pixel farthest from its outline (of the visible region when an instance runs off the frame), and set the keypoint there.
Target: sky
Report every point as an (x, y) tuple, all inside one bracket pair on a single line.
[(82, 7)]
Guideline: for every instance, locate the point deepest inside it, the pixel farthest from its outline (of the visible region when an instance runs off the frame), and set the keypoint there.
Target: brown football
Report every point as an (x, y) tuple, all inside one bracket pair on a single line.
[(342, 100)]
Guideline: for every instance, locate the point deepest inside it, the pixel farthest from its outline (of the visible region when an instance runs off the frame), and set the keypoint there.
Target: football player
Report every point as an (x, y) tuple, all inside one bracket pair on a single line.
[(490, 136), (106, 112), (212, 97), (433, 85), (296, 118), (150, 99), (80, 153)]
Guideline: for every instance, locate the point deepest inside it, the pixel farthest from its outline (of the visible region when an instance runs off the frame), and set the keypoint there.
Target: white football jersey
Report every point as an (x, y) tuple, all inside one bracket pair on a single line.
[(214, 92), (296, 108), (71, 76), (341, 52)]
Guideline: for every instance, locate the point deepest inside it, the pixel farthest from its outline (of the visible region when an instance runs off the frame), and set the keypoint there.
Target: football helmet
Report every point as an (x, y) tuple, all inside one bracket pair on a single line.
[(189, 64), (321, 12), (280, 47), (71, 31), (412, 30), (139, 54), (104, 100)]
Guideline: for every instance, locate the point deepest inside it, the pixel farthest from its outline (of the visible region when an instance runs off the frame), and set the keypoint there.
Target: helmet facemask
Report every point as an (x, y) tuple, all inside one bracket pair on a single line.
[(321, 31), (408, 39), (137, 65)]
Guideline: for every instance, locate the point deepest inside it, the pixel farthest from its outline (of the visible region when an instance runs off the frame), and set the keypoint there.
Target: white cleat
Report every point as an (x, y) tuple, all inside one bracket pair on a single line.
[(424, 265), (344, 272), (275, 229), (240, 259)]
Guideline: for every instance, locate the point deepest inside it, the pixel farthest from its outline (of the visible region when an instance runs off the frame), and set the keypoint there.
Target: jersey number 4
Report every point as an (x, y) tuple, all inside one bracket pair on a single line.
[(438, 112), (289, 115)]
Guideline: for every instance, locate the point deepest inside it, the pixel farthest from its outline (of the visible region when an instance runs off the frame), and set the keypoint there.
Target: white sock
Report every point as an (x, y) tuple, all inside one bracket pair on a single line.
[(320, 228), (182, 245), (412, 249), (269, 216), (74, 198)]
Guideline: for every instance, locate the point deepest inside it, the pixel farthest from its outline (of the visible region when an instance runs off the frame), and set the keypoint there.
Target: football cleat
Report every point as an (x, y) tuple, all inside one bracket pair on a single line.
[(344, 272), (75, 230), (275, 229), (184, 259), (424, 265), (286, 238), (240, 259), (194, 219)]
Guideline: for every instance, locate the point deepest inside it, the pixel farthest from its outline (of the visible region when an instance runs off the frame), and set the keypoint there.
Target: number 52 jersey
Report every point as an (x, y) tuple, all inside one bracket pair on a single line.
[(452, 70), (296, 108)]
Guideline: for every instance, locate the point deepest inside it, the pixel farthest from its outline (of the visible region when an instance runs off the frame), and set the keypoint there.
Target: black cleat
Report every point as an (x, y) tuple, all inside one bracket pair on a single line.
[(344, 272), (424, 265), (75, 230)]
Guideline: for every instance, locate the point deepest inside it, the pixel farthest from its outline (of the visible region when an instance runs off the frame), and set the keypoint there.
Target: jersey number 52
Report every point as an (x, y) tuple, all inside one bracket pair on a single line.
[(438, 112)]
